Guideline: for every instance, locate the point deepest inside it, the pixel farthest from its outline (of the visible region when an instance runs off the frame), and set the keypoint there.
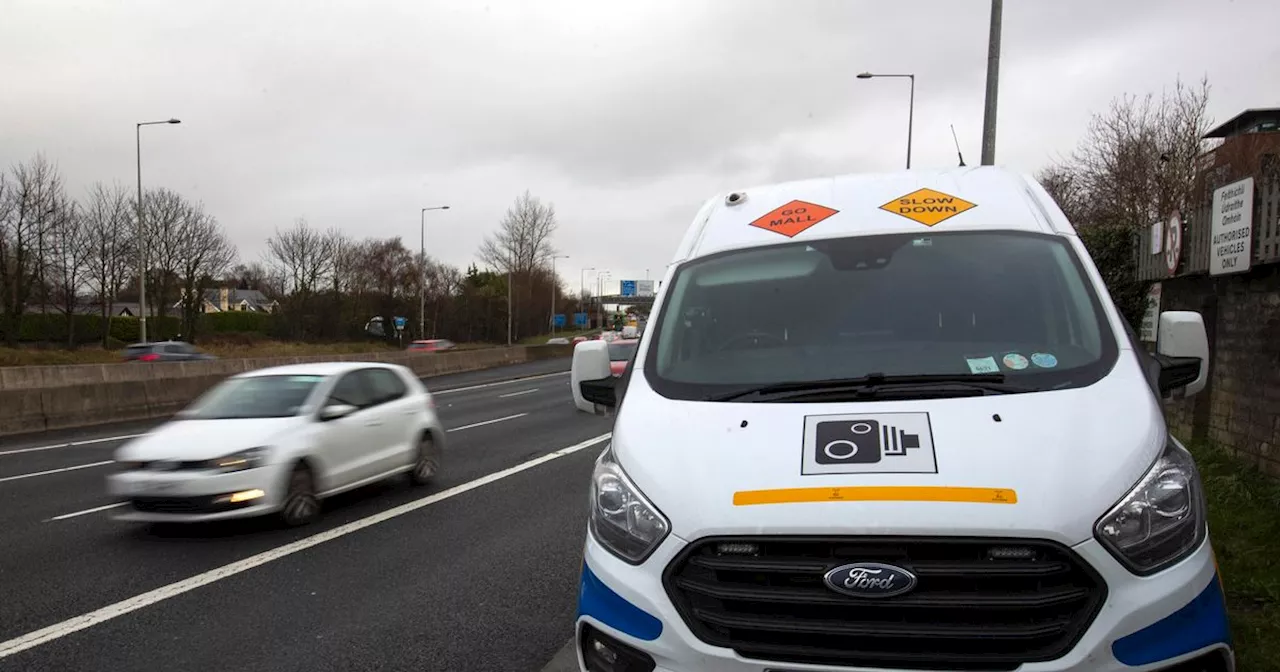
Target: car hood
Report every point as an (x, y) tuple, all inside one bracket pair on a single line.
[(1051, 465), (205, 439)]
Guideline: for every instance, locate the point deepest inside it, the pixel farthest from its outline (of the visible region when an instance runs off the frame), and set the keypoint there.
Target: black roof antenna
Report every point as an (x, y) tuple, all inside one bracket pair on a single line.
[(953, 137)]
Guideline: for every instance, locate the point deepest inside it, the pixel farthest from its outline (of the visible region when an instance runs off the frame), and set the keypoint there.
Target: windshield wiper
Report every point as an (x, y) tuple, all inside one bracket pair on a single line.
[(874, 384)]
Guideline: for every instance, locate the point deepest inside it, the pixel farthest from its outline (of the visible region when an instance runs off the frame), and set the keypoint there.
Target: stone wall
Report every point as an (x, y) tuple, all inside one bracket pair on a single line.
[(1240, 408)]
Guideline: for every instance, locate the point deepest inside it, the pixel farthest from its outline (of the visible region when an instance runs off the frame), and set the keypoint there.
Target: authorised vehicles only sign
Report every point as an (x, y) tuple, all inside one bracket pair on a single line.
[(1231, 228)]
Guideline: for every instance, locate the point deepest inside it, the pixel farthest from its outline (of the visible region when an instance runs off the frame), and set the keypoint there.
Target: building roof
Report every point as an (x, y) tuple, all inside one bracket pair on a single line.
[(914, 201), (1243, 121)]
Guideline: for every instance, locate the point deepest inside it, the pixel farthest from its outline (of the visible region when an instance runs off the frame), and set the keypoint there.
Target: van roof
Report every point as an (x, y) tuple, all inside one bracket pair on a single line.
[(960, 199)]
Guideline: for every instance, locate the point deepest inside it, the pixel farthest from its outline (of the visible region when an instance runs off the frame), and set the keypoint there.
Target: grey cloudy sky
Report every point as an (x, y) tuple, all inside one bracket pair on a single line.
[(626, 115)]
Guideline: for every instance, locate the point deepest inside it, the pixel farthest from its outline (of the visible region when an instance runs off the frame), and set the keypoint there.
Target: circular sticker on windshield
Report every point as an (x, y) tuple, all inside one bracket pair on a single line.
[(1044, 360), (1015, 361)]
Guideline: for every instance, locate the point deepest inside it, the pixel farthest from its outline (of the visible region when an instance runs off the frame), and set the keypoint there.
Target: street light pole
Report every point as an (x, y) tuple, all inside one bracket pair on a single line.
[(555, 286), (911, 106), (993, 85), (422, 281), (142, 232)]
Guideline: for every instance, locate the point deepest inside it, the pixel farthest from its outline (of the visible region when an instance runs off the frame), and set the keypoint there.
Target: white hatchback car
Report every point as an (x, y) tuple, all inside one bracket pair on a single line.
[(279, 440)]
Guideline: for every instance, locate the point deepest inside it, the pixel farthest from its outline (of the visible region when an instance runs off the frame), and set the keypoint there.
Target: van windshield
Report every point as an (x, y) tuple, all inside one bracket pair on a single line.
[(1009, 304)]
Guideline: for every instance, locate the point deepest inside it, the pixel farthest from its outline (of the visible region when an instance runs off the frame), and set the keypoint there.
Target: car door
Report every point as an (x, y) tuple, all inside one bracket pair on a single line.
[(348, 446), (399, 410)]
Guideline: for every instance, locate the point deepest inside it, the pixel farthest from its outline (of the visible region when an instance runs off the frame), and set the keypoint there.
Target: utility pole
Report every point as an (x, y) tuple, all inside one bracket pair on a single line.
[(582, 290), (993, 85), (555, 286), (422, 258), (142, 232), (508, 304)]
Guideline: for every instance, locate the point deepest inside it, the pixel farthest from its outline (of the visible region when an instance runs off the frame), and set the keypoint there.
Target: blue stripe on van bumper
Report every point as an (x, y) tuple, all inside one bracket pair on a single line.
[(1202, 622), (600, 602)]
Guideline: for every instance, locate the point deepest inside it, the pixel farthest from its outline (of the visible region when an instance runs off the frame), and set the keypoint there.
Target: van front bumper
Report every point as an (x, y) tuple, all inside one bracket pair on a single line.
[(1146, 624)]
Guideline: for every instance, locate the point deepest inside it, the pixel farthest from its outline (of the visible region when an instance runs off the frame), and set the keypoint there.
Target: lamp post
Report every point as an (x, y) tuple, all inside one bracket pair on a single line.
[(142, 232), (600, 276), (993, 85), (422, 281), (555, 286), (911, 108)]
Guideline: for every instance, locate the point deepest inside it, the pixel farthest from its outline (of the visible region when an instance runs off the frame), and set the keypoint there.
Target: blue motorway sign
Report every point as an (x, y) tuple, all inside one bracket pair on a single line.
[(628, 287), (400, 322), (580, 319), (560, 320)]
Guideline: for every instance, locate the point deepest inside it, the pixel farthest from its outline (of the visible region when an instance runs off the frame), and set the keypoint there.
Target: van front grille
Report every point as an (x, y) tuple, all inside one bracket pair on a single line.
[(990, 604)]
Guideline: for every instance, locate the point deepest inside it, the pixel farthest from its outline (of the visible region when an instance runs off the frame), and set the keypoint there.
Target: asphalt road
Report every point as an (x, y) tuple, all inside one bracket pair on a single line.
[(476, 572)]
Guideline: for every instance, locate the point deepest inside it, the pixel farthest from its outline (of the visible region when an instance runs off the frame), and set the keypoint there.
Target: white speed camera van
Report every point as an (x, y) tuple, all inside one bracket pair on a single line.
[(895, 422)]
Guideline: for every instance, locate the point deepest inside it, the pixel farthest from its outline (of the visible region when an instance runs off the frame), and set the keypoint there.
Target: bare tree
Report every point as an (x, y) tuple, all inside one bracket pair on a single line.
[(164, 211), (69, 259), (523, 239), (27, 206), (203, 252), (108, 227), (303, 256), (521, 244)]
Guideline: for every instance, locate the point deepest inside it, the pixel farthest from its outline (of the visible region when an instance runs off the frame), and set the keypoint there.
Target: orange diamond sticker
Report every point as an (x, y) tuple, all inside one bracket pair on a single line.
[(793, 218), (927, 206)]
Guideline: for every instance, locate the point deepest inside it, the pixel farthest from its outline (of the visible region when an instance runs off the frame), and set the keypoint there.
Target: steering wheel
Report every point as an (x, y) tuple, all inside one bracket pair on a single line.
[(753, 339)]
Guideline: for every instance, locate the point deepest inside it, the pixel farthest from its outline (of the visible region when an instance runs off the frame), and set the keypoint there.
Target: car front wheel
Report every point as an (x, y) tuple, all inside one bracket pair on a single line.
[(301, 506)]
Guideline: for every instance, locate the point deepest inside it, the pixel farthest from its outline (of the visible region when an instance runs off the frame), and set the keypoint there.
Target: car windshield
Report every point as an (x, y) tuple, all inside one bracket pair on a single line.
[(957, 303), (254, 397), (621, 352)]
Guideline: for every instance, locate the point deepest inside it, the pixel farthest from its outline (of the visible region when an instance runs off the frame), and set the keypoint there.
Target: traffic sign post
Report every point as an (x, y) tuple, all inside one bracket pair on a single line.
[(628, 288), (580, 320), (560, 320)]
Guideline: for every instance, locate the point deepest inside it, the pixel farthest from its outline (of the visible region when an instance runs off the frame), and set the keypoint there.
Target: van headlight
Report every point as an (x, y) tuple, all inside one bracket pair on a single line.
[(622, 519), (1162, 519), (245, 459)]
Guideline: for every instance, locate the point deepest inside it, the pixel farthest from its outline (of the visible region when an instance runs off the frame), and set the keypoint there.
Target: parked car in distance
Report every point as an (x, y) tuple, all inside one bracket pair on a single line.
[(431, 345), (620, 353), (164, 351), (580, 339), (558, 340), (277, 441)]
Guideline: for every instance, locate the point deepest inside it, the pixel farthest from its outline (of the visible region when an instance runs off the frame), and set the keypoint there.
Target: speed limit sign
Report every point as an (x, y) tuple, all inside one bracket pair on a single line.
[(1173, 242)]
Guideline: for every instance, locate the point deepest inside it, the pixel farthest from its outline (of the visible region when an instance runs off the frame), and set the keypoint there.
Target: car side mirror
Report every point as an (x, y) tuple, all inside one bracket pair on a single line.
[(1182, 349), (336, 411), (590, 379)]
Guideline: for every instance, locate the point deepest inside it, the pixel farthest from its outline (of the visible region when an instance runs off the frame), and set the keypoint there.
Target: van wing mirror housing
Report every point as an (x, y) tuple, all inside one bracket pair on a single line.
[(1182, 349), (590, 376)]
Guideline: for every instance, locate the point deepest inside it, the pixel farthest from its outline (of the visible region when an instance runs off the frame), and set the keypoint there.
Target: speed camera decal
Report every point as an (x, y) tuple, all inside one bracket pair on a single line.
[(868, 443)]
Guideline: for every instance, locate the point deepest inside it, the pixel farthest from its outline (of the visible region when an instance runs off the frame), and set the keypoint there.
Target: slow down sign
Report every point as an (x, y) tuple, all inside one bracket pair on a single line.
[(927, 206)]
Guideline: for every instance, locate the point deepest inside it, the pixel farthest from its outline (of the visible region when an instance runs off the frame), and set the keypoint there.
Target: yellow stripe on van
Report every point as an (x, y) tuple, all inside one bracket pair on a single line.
[(891, 493)]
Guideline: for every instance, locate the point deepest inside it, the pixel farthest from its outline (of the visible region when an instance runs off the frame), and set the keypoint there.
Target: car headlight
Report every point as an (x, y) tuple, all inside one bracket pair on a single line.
[(622, 519), (1162, 519), (245, 459)]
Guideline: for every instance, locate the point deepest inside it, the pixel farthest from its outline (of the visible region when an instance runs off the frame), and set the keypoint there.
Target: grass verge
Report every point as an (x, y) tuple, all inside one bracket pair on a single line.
[(1244, 526)]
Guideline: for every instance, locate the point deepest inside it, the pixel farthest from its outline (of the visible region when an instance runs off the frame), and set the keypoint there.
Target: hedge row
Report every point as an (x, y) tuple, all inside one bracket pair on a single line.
[(41, 328)]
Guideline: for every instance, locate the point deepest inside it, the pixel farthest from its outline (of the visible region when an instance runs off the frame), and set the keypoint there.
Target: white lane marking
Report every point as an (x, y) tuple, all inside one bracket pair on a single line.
[(70, 444), (516, 394), (86, 511), (487, 422), (84, 621), (54, 471), (451, 390)]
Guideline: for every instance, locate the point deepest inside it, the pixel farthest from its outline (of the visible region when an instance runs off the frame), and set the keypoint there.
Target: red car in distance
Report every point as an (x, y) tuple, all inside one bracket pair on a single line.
[(431, 345)]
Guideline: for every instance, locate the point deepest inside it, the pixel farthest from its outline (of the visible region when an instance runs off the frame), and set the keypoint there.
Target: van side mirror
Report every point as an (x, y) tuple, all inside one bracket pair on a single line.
[(1182, 349), (589, 378)]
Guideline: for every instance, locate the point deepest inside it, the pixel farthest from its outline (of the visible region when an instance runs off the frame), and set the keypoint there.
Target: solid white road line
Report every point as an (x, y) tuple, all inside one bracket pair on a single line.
[(487, 422), (516, 394), (69, 444), (451, 390), (78, 623), (87, 511), (54, 471)]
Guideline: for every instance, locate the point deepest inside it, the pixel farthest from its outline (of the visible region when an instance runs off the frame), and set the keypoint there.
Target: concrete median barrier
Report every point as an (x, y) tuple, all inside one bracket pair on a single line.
[(38, 398)]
